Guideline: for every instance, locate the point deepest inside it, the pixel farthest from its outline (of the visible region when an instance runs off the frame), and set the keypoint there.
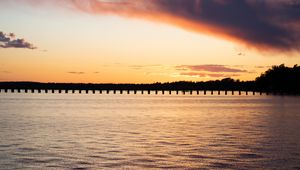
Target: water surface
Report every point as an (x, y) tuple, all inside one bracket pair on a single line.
[(86, 131)]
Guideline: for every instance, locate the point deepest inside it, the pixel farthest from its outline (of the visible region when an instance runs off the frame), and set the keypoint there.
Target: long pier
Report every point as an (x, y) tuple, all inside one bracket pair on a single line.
[(143, 92), (180, 88)]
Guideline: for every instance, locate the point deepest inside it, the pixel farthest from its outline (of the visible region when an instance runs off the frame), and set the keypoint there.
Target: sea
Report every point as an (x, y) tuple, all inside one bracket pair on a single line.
[(156, 131)]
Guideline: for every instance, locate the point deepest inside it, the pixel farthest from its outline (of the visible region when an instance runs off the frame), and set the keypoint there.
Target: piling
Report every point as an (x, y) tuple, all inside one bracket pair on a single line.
[(66, 91), (115, 91), (226, 92), (73, 91), (26, 91), (135, 92), (156, 92), (219, 92), (247, 93), (107, 91), (19, 90), (59, 91), (191, 92), (204, 92), (121, 91), (46, 90), (39, 90), (94, 91), (240, 93), (32, 90), (212, 92), (149, 92), (163, 92)]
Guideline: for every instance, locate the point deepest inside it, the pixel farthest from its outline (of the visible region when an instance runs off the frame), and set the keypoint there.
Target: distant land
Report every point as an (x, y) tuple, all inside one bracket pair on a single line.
[(279, 79)]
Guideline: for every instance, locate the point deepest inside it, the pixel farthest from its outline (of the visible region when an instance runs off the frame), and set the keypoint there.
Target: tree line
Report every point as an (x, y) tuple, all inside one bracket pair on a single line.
[(278, 79)]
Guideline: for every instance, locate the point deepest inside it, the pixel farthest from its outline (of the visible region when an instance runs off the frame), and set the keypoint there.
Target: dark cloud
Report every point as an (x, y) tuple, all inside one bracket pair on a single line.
[(267, 25), (262, 24), (8, 41), (209, 68), (4, 37)]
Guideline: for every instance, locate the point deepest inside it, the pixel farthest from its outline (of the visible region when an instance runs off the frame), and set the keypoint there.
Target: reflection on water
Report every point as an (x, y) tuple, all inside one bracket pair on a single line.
[(148, 131)]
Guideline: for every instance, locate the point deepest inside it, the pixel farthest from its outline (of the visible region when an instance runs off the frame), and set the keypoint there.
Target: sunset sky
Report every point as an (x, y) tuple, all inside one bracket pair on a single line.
[(145, 41)]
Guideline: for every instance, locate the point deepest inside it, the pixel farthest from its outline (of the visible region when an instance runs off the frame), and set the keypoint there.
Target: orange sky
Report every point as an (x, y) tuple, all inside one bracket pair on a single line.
[(74, 46)]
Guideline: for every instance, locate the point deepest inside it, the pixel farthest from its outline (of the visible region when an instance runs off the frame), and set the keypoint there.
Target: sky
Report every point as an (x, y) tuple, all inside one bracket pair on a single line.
[(145, 41)]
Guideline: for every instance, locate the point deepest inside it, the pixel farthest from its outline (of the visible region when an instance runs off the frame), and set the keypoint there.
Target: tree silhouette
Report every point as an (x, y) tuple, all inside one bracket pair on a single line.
[(278, 79)]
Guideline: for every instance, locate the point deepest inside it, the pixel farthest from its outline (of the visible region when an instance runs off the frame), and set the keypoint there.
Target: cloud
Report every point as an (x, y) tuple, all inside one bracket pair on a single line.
[(9, 41), (262, 24), (209, 68), (266, 25), (201, 74), (77, 73)]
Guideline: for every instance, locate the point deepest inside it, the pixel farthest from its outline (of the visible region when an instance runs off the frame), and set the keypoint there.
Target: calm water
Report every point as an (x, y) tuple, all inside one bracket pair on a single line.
[(62, 131)]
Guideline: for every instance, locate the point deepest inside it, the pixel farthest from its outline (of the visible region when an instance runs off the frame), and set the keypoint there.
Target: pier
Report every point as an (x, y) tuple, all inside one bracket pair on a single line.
[(226, 87)]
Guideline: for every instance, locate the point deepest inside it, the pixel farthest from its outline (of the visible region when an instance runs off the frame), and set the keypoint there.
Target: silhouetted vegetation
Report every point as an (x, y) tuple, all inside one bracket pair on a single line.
[(278, 79)]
